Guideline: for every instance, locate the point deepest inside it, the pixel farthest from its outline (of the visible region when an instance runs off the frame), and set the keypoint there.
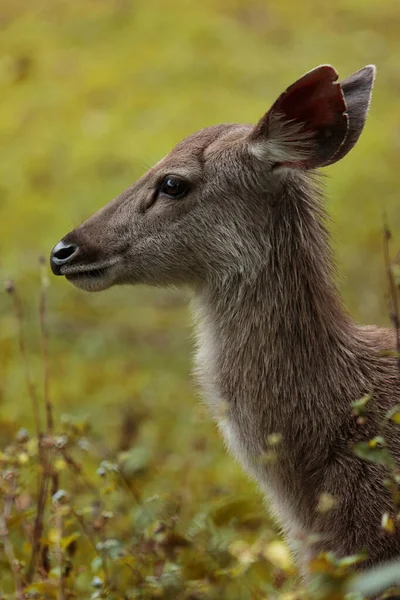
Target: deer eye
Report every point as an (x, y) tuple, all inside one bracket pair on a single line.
[(173, 187)]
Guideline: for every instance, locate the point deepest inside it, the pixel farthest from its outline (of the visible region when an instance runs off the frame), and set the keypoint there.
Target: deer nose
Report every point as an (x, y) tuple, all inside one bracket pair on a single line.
[(61, 255)]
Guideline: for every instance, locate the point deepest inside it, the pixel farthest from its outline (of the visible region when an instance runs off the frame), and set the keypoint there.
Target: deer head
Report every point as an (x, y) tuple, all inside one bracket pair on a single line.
[(205, 210)]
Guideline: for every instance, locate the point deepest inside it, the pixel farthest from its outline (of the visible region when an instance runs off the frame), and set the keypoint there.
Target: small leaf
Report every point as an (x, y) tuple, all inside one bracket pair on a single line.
[(389, 352), (326, 503), (372, 452), (278, 554), (376, 441), (269, 457), (274, 439), (360, 406), (376, 580), (67, 541), (135, 462), (353, 559), (321, 564), (387, 523)]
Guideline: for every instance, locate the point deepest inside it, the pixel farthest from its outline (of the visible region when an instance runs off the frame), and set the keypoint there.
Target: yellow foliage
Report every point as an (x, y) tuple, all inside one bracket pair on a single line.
[(92, 94)]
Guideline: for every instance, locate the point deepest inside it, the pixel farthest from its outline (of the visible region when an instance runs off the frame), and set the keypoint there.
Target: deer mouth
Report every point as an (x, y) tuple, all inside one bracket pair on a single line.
[(91, 278)]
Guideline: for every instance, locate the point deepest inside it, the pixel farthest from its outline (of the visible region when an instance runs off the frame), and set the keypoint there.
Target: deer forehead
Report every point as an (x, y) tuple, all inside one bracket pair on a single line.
[(188, 157)]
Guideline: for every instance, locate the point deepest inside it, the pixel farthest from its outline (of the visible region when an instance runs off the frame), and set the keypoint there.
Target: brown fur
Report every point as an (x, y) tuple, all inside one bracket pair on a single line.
[(277, 352)]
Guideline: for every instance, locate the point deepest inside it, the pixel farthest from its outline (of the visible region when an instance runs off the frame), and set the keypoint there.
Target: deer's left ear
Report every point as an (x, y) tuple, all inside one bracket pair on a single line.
[(316, 121)]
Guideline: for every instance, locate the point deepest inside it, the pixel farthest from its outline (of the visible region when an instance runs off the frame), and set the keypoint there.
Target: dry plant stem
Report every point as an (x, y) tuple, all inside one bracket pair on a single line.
[(42, 493), (60, 556), (135, 495), (132, 491), (22, 349), (8, 548), (395, 320), (24, 523), (38, 526), (44, 339), (45, 359), (136, 573), (44, 455), (393, 297)]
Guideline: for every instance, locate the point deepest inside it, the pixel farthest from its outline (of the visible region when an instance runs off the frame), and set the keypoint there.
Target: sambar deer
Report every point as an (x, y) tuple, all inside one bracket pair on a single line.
[(235, 212)]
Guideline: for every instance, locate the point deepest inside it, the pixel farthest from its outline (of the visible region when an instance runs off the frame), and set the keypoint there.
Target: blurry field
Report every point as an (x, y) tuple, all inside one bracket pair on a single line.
[(93, 92)]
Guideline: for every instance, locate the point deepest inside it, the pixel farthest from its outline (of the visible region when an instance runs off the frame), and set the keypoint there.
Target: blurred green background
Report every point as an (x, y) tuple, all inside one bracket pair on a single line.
[(93, 92)]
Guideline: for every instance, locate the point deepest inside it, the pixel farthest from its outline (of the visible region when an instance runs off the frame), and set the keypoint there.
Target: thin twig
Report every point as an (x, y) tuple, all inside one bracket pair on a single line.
[(43, 486), (8, 547), (45, 359), (393, 296), (45, 339), (60, 555), (394, 316), (38, 525), (132, 491), (10, 288)]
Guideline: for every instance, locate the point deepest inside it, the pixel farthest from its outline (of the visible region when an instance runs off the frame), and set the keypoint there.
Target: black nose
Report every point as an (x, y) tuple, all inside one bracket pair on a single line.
[(61, 254)]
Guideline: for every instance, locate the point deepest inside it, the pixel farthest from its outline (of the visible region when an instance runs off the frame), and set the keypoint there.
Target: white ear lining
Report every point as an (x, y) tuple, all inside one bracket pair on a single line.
[(287, 142), (270, 151)]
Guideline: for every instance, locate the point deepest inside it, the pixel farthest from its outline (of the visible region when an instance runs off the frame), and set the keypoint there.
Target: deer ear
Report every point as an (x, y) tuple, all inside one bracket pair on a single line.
[(316, 120), (357, 90)]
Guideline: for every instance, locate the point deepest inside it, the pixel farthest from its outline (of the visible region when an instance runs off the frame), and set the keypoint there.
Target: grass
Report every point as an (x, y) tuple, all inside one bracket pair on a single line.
[(92, 94)]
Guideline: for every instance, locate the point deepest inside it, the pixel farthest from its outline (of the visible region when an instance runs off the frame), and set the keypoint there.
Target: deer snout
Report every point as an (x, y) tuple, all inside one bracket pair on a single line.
[(61, 255)]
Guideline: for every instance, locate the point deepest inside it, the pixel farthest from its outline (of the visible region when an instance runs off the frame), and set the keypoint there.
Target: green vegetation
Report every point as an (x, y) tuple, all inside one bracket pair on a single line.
[(146, 502)]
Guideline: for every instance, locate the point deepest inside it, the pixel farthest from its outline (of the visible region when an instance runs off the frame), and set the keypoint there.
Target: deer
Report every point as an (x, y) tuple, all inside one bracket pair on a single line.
[(235, 213)]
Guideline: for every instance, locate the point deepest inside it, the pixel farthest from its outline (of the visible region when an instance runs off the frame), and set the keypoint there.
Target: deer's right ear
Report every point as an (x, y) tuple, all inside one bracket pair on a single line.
[(315, 121)]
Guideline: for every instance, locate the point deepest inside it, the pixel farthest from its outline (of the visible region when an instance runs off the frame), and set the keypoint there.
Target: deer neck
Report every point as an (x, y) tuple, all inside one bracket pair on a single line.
[(277, 351)]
